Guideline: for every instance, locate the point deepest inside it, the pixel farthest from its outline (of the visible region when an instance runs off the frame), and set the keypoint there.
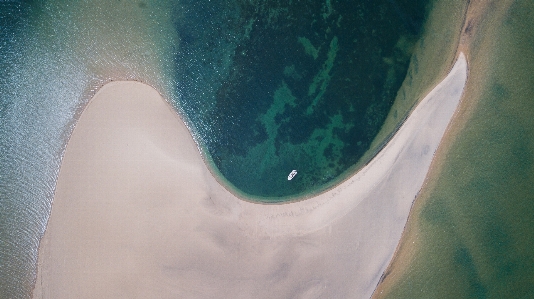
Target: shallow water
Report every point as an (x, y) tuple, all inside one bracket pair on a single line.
[(476, 235)]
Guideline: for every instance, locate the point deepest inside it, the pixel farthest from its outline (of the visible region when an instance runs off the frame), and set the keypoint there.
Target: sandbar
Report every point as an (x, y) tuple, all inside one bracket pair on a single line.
[(137, 213)]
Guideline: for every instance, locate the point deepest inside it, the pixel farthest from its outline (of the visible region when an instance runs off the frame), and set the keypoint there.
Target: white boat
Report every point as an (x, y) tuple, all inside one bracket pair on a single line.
[(291, 175)]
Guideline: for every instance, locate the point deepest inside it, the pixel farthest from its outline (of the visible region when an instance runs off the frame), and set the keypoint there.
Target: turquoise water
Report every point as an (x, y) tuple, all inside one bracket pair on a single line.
[(265, 87), (32, 124)]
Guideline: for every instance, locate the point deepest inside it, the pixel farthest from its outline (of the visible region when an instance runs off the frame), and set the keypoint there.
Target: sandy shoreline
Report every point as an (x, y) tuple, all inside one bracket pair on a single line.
[(137, 214)]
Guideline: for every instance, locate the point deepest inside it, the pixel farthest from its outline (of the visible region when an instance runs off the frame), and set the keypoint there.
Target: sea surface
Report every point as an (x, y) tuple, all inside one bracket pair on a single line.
[(264, 86)]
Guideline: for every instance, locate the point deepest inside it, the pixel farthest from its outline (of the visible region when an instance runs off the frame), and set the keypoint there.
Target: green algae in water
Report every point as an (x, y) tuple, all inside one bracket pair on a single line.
[(272, 86), (477, 224)]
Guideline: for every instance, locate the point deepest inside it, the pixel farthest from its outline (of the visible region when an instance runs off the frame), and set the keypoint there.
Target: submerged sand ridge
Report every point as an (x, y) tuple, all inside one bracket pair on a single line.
[(137, 214)]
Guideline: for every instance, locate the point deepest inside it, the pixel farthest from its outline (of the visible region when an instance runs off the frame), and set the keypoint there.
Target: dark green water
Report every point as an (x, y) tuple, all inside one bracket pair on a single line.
[(477, 224), (271, 86)]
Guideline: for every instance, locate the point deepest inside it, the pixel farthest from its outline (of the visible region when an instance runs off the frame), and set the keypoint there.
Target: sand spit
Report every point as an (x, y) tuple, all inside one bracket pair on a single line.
[(138, 215)]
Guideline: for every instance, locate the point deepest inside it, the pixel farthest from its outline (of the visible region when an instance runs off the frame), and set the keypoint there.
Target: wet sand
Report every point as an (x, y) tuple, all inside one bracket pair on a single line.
[(137, 214)]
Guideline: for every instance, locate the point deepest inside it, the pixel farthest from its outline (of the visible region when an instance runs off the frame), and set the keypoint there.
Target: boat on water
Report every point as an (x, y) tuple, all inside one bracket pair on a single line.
[(291, 175)]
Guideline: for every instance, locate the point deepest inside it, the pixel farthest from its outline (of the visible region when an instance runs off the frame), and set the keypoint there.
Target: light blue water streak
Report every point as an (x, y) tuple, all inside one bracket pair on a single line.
[(45, 81), (39, 102)]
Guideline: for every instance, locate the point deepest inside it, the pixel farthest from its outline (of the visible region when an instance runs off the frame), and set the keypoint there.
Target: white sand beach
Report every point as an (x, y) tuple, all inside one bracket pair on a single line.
[(137, 214)]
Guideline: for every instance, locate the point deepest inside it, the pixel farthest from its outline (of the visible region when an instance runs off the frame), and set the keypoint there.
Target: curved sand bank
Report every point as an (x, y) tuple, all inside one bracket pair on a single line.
[(138, 215)]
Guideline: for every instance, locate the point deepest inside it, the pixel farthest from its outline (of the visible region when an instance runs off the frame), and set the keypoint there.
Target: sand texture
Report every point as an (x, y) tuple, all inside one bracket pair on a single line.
[(137, 214)]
